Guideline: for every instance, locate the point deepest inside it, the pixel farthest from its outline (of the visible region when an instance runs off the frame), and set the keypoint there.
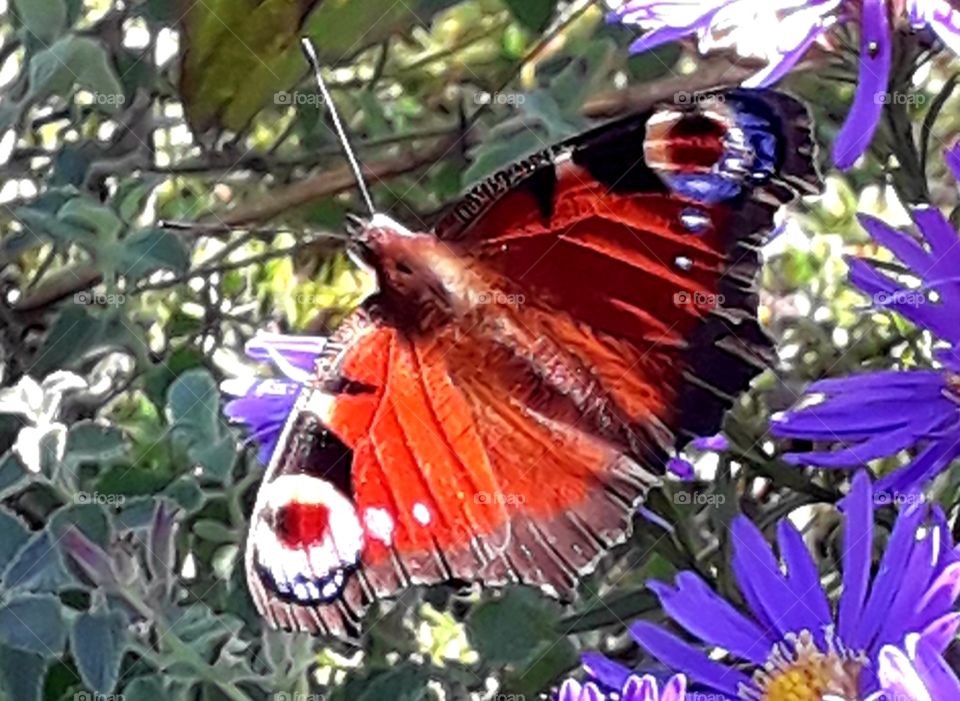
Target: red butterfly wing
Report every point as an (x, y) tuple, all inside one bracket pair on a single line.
[(497, 411)]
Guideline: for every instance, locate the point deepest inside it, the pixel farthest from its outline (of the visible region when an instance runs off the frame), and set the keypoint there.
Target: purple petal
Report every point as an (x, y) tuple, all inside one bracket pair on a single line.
[(299, 351), (937, 675), (788, 59), (264, 408), (889, 577), (675, 689), (706, 615), (678, 655), (609, 673), (941, 632), (681, 468), (946, 24), (659, 37), (717, 443), (857, 554), (933, 460), (875, 56), (803, 578), (903, 246), (757, 569)]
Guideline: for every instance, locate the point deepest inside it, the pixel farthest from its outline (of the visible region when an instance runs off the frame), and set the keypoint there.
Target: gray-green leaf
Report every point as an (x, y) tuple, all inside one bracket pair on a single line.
[(44, 19), (33, 623), (97, 641), (149, 250)]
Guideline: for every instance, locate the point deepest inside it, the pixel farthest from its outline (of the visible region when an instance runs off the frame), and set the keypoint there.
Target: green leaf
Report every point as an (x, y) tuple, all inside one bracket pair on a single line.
[(12, 475), (93, 217), (77, 332), (214, 531), (149, 250), (92, 442), (145, 689), (193, 407), (97, 641), (197, 626), (535, 15), (42, 223), (37, 566), (405, 682), (33, 623), (238, 54), (508, 629), (44, 19), (88, 517), (75, 60), (22, 674), (186, 493), (14, 534)]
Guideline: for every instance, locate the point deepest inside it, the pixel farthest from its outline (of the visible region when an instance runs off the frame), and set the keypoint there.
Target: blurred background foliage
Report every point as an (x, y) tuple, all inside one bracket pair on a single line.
[(121, 528)]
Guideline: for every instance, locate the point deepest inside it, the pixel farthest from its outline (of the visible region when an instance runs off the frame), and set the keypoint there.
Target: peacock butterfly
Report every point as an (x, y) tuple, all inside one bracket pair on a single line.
[(499, 407)]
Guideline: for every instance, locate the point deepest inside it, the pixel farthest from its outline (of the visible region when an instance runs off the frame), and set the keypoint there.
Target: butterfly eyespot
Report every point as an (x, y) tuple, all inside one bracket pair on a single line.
[(694, 220), (306, 538), (683, 263)]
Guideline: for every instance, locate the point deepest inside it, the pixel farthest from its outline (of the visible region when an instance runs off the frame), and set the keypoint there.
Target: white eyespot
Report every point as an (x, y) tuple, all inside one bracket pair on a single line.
[(683, 263), (422, 514), (695, 220), (379, 524)]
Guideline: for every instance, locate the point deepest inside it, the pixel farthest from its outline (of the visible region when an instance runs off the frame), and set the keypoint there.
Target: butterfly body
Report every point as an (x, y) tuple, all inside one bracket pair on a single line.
[(498, 407)]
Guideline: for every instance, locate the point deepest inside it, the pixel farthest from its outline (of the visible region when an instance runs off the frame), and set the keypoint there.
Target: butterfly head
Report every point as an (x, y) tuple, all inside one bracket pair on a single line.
[(416, 273)]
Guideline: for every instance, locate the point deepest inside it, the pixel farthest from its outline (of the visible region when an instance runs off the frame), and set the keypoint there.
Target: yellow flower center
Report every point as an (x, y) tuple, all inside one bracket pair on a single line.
[(799, 671)]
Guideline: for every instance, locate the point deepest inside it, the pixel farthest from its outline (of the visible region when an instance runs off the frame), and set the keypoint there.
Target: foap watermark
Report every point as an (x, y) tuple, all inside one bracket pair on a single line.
[(699, 499), (701, 99), (899, 500), (901, 298), (100, 498), (100, 299), (109, 99), (511, 300), (96, 696), (498, 498), (697, 299), (297, 696), (297, 99), (499, 98), (900, 98)]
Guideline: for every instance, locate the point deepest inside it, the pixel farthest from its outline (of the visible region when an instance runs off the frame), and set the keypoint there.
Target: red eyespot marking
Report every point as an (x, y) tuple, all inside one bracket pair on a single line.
[(300, 525)]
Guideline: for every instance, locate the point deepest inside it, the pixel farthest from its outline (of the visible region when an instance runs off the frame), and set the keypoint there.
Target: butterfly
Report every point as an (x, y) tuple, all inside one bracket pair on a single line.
[(498, 408)]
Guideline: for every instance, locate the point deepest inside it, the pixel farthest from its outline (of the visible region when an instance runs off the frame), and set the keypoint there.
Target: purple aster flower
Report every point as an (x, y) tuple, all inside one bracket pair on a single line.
[(634, 688), (864, 414), (264, 404), (916, 673), (781, 32), (790, 643)]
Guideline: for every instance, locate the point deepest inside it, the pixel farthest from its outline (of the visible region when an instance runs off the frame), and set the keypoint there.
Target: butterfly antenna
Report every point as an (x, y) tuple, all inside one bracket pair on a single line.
[(311, 52)]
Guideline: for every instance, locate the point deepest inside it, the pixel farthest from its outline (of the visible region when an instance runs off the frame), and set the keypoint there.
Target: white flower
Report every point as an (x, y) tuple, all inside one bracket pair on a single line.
[(39, 404)]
